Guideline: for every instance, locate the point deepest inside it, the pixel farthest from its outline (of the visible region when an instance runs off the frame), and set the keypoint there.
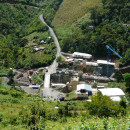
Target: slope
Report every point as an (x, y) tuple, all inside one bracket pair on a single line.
[(72, 10)]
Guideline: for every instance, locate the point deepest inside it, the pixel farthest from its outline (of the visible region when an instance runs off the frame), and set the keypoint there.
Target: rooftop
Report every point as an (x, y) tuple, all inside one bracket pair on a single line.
[(112, 92), (105, 62), (84, 86), (82, 54)]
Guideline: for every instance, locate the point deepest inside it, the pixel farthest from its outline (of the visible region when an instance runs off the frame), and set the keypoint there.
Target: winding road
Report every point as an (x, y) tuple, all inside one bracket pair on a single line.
[(47, 91)]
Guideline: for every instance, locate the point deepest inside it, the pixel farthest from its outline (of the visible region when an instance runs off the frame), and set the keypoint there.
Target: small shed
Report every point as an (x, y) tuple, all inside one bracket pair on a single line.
[(84, 90), (115, 94)]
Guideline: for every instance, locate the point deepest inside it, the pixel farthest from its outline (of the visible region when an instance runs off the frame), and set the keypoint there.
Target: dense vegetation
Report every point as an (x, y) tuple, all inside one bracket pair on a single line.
[(21, 30), (19, 110), (109, 23), (18, 21)]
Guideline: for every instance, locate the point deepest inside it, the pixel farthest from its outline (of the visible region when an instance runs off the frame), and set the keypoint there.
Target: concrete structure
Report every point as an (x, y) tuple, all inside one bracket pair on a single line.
[(83, 91), (81, 55), (101, 70), (73, 83), (115, 94)]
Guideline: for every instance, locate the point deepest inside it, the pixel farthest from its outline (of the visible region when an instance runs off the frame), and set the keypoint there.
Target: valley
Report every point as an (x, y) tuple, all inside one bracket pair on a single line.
[(64, 64)]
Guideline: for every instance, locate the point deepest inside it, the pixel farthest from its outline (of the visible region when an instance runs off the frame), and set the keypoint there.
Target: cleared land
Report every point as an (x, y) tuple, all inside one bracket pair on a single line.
[(72, 10)]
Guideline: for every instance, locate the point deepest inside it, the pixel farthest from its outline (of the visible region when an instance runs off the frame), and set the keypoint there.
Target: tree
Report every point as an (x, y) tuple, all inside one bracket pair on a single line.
[(103, 106), (11, 75), (127, 81), (60, 59), (118, 76)]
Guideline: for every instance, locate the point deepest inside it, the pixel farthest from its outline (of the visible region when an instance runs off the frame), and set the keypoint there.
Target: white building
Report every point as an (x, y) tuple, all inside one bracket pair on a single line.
[(115, 94), (104, 62), (81, 55), (91, 64), (83, 90)]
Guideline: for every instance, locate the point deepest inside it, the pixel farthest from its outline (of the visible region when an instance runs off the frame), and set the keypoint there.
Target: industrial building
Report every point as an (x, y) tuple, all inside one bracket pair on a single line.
[(81, 55), (115, 94)]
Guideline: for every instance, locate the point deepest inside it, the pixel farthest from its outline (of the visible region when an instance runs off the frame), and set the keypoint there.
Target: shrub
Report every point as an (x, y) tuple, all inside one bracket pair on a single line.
[(4, 91), (102, 106), (1, 116), (127, 81), (14, 100), (16, 94)]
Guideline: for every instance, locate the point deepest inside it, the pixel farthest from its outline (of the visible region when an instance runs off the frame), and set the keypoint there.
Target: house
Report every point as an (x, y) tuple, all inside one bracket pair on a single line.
[(83, 91), (115, 94), (38, 48), (127, 25), (81, 55)]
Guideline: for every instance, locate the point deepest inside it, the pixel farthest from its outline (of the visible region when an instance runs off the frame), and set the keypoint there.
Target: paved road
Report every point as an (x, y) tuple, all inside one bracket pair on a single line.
[(51, 68), (48, 92)]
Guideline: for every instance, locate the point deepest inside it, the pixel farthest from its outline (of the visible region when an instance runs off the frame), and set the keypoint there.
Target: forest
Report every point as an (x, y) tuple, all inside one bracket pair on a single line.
[(108, 24), (21, 30)]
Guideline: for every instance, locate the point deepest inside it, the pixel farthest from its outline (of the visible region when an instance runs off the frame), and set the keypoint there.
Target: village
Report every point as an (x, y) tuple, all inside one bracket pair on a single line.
[(77, 73)]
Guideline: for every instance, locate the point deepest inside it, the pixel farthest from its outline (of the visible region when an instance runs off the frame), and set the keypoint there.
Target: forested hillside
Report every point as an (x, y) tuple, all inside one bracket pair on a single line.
[(21, 29), (107, 22)]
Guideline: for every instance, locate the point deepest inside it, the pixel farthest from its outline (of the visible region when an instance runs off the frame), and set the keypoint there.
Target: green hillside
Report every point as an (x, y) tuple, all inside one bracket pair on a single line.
[(88, 26), (17, 24), (21, 29), (72, 10)]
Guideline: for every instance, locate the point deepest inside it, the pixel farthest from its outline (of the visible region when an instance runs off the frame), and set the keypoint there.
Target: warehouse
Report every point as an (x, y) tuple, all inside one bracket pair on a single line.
[(82, 55), (115, 94)]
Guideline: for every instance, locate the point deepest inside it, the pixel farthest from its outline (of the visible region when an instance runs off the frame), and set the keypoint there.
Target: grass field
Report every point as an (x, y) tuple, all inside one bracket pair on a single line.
[(72, 10), (17, 109)]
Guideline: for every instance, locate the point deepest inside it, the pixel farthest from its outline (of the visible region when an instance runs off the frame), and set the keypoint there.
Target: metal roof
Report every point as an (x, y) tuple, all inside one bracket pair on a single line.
[(105, 62), (84, 86), (91, 63), (112, 92), (82, 54)]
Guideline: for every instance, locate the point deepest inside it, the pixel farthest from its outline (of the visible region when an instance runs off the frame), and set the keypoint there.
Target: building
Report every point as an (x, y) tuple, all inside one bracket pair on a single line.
[(73, 83), (81, 55), (83, 91), (115, 94), (38, 48), (102, 68)]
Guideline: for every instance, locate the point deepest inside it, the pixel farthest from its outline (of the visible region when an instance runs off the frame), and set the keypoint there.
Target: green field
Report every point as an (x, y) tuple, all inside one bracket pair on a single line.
[(21, 111), (72, 10)]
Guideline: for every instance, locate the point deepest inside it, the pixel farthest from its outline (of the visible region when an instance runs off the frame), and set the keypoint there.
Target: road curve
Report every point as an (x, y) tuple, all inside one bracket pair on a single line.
[(53, 66), (48, 92)]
